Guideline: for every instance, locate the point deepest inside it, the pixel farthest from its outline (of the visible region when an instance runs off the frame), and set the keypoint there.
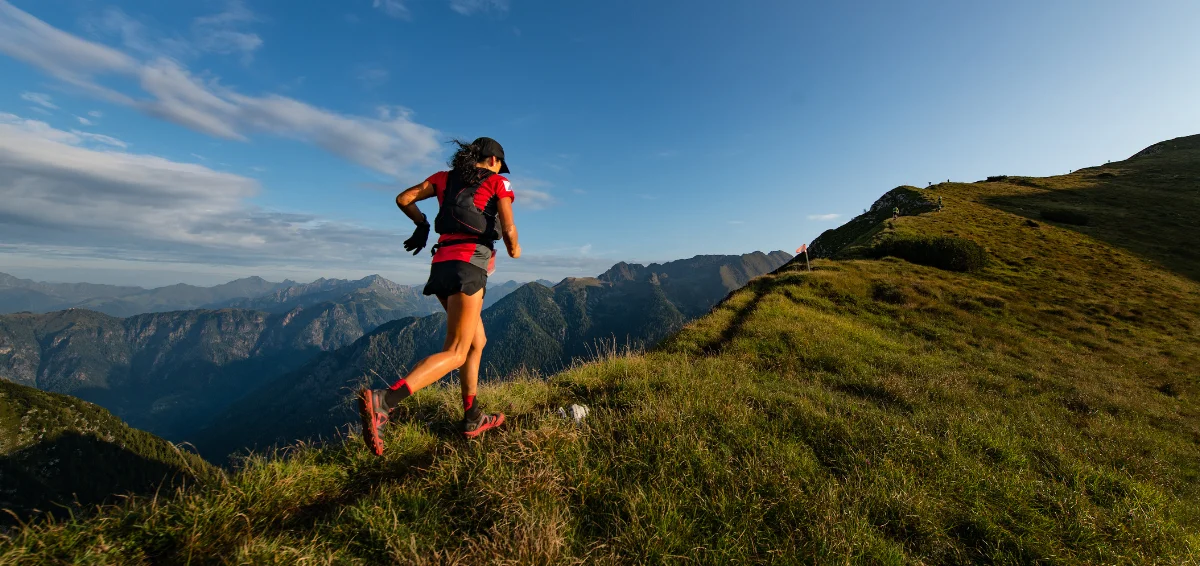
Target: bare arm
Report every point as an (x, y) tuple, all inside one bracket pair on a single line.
[(407, 201), (508, 230)]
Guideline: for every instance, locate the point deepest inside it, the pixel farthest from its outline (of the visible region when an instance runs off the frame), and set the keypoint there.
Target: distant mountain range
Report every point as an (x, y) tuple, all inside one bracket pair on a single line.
[(254, 293), (169, 372), (536, 327), (18, 295)]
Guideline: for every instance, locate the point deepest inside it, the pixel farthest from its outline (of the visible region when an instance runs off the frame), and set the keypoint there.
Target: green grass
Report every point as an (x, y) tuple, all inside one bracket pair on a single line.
[(1042, 409)]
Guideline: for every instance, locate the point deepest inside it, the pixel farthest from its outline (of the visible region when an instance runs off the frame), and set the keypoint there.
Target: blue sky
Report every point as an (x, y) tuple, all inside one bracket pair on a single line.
[(151, 142)]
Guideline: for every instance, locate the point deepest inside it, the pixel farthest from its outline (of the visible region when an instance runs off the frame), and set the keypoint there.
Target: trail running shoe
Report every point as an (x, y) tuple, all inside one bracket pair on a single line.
[(374, 415), (471, 429)]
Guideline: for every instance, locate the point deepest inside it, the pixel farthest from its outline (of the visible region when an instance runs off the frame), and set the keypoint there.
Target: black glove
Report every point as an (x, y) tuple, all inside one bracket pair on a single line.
[(418, 240)]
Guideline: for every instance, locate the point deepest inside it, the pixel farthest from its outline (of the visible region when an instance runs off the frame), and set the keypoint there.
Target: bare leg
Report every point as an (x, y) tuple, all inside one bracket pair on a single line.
[(462, 325), (468, 374)]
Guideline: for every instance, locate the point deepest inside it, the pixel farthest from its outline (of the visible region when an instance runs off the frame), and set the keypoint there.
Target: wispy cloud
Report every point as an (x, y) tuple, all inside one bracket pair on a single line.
[(59, 193), (468, 7), (96, 114), (390, 143), (83, 121), (535, 199), (824, 217), (585, 250), (372, 76), (39, 99), (100, 138), (224, 33), (532, 193), (393, 8)]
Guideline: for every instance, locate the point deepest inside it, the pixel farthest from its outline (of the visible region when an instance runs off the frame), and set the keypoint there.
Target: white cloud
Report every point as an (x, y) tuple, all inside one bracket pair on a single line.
[(100, 138), (531, 194), (391, 143), (96, 114), (393, 8), (220, 33), (59, 194), (534, 199), (468, 7), (223, 33), (372, 76), (824, 217), (136, 37), (39, 99), (83, 121), (585, 250), (41, 110)]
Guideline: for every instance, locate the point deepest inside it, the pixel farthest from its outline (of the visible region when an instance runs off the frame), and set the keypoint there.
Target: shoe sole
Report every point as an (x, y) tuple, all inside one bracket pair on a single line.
[(370, 431), (474, 433)]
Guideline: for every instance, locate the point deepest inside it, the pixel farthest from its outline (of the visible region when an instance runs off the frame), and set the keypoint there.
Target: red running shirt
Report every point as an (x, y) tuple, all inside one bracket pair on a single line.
[(494, 187)]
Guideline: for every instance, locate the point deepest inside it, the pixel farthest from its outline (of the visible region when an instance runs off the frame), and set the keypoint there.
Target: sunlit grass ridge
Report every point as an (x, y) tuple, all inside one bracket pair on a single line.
[(1040, 409)]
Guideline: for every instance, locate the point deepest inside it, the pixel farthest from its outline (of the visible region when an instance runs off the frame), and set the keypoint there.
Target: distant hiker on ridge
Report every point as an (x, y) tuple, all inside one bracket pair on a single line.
[(475, 210), (895, 212)]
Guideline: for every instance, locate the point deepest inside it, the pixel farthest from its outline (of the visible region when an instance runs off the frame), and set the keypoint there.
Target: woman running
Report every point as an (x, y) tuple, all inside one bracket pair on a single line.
[(475, 210)]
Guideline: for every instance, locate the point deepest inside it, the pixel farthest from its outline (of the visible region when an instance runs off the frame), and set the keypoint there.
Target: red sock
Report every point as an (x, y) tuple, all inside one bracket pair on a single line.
[(468, 402), (396, 393)]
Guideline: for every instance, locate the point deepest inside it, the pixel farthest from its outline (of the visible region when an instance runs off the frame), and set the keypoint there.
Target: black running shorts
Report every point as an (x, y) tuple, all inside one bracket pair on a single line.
[(450, 277)]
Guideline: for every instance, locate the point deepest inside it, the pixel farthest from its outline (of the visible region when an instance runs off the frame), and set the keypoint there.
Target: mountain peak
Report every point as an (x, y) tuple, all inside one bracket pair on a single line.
[(623, 272)]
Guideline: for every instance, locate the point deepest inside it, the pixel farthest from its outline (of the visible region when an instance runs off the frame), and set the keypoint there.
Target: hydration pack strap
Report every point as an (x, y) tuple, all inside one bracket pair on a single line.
[(491, 244)]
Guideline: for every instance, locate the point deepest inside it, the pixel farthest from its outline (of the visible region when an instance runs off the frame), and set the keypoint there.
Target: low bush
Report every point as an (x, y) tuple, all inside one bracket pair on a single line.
[(1066, 216), (888, 292), (944, 252)]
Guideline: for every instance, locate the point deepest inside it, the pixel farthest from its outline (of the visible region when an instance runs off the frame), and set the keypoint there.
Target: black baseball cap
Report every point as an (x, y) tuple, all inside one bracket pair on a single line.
[(489, 147)]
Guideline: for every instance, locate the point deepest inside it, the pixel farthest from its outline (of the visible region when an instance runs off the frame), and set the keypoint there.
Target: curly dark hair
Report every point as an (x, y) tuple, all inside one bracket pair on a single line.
[(462, 165)]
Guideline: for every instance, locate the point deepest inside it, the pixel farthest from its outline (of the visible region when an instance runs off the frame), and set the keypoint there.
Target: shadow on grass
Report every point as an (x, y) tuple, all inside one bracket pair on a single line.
[(735, 326), (359, 486), (75, 471), (1148, 208)]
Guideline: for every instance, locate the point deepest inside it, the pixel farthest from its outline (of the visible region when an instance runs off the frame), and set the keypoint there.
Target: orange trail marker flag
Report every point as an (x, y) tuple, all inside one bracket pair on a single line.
[(803, 249)]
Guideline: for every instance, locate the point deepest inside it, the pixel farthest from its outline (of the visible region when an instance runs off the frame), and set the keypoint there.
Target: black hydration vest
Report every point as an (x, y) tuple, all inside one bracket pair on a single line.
[(459, 215)]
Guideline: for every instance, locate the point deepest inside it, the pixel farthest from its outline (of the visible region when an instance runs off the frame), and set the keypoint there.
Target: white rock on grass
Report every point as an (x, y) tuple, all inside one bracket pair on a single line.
[(574, 412)]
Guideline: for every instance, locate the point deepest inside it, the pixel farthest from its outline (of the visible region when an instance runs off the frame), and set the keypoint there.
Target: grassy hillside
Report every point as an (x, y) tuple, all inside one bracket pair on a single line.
[(59, 454), (1039, 407)]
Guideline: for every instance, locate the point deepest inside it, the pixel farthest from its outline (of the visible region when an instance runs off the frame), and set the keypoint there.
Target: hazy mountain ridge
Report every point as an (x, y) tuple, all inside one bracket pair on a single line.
[(18, 295)]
